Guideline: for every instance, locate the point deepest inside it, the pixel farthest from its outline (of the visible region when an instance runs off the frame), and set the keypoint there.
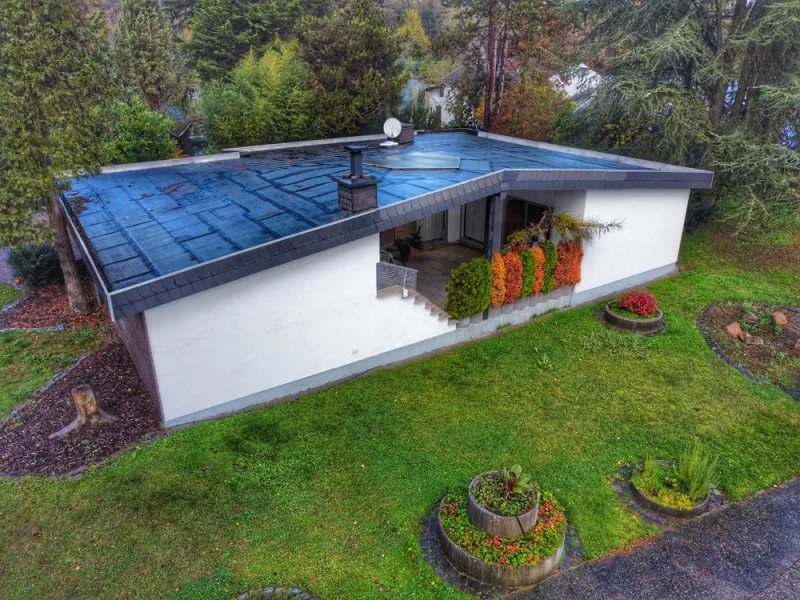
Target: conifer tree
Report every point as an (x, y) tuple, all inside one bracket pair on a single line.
[(54, 94), (148, 55)]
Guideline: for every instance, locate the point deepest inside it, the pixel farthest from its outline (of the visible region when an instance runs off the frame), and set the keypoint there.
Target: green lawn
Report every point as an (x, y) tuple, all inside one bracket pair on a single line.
[(328, 492), (8, 293), (29, 360)]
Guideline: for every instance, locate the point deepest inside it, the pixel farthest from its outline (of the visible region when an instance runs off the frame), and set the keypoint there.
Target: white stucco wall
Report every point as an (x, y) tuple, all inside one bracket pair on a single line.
[(650, 237), (276, 327)]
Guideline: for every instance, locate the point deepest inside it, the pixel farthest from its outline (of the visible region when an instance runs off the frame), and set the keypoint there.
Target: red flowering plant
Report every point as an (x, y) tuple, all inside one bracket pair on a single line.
[(527, 550), (638, 302)]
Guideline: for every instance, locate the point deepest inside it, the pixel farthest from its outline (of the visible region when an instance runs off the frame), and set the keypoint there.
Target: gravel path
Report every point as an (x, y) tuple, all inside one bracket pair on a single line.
[(747, 550)]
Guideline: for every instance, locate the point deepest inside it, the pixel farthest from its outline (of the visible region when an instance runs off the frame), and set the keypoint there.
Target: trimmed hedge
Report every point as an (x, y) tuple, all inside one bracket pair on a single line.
[(498, 281), (550, 263), (538, 277), (469, 289), (528, 271), (513, 277), (568, 269), (35, 264)]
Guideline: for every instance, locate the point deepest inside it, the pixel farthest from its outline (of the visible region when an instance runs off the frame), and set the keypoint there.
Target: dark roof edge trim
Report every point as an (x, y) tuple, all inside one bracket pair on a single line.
[(617, 158), (173, 286), (97, 276)]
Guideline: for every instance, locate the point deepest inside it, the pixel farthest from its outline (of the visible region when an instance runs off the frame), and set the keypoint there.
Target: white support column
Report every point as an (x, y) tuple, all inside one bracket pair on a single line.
[(454, 224)]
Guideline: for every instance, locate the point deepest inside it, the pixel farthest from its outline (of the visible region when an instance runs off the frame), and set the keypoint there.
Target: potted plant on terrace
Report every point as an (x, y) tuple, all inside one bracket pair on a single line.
[(504, 503), (635, 311), (680, 490)]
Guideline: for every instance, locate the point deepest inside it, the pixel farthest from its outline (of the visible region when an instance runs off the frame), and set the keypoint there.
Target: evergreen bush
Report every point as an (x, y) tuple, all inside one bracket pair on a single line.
[(469, 289), (528, 271), (35, 264)]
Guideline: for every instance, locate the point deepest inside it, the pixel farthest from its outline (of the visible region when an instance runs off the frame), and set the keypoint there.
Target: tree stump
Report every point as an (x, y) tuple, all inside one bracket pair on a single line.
[(89, 411)]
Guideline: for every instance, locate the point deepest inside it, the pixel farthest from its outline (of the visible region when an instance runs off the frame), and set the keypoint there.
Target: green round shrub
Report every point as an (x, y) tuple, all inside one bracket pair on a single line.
[(528, 271), (469, 289), (35, 264)]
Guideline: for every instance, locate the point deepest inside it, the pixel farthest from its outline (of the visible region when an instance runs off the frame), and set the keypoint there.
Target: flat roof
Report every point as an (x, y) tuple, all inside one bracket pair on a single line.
[(142, 224)]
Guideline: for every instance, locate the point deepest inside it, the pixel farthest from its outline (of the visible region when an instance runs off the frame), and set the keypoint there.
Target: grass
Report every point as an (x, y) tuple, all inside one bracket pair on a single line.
[(29, 360), (328, 492), (8, 293)]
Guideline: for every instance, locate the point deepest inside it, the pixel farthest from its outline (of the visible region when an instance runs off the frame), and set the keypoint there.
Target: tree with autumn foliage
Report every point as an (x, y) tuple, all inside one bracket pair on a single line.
[(498, 280), (55, 93), (504, 41)]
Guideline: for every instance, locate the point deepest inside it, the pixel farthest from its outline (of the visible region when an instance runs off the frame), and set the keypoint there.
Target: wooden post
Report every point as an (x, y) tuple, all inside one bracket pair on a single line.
[(89, 412)]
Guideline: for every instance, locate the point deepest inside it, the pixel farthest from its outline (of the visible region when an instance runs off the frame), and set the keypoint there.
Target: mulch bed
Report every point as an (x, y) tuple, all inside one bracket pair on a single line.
[(24, 445), (48, 307), (775, 361)]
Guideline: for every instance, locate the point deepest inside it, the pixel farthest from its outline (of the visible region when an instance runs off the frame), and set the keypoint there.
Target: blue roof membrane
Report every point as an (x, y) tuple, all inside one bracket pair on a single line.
[(147, 223)]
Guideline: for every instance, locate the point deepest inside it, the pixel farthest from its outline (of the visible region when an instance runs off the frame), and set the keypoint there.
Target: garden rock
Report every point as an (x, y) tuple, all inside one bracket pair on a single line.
[(778, 318), (751, 318), (753, 340), (797, 346), (734, 330)]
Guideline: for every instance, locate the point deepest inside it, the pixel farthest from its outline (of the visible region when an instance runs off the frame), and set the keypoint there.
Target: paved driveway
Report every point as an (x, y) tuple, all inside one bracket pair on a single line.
[(746, 550)]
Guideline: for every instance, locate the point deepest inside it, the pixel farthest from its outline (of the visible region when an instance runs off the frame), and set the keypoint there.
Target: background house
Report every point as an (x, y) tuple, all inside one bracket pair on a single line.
[(240, 279)]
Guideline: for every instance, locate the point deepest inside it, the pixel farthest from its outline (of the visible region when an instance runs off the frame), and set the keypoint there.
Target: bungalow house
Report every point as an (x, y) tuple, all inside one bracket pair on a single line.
[(255, 275)]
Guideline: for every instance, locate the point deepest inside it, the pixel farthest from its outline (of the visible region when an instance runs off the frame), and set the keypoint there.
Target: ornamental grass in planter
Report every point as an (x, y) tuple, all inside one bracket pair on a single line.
[(680, 490), (636, 312)]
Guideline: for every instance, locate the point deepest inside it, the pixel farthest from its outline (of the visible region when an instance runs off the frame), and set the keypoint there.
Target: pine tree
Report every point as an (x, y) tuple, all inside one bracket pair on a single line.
[(705, 83), (353, 56), (223, 31), (54, 92), (148, 55)]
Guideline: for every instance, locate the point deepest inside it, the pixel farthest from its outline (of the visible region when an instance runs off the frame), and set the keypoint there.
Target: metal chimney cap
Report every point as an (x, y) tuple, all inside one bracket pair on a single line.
[(355, 148)]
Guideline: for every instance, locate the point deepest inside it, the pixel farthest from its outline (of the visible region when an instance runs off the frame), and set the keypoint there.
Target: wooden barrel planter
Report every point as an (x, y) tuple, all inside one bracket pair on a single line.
[(681, 513), (502, 526), (646, 326), (497, 574)]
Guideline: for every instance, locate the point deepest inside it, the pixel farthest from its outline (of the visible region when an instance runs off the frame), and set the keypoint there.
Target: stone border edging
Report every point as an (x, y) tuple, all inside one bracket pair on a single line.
[(649, 326), (504, 526), (702, 327), (272, 592)]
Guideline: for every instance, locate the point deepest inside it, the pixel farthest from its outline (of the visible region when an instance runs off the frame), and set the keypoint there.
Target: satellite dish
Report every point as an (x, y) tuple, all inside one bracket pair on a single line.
[(392, 128)]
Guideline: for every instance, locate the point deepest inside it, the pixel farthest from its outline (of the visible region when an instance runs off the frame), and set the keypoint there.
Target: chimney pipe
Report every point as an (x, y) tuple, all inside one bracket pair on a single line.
[(356, 161), (357, 192)]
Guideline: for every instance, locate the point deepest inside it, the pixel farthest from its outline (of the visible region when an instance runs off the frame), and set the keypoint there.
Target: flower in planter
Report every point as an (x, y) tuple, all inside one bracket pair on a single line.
[(639, 303)]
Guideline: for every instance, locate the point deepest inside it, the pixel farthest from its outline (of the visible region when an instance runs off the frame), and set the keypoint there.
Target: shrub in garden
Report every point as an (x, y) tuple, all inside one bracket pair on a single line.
[(550, 263), (568, 267), (469, 289), (139, 134), (538, 277), (498, 280), (638, 302), (35, 264), (528, 271), (513, 276)]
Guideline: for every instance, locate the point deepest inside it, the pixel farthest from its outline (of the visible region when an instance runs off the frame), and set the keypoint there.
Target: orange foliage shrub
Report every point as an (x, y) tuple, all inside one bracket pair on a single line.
[(513, 276), (498, 280), (538, 282), (568, 269)]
